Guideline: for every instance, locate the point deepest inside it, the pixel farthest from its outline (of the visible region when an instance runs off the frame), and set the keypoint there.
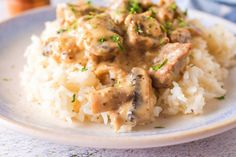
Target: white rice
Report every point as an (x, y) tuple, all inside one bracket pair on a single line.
[(50, 84)]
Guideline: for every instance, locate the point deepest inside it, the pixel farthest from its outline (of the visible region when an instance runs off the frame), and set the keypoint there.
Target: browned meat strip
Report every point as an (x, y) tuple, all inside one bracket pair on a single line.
[(169, 64), (181, 35), (110, 98), (144, 31)]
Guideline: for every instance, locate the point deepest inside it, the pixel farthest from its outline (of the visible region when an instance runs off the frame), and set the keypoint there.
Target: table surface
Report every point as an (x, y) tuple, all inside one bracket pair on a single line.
[(15, 144)]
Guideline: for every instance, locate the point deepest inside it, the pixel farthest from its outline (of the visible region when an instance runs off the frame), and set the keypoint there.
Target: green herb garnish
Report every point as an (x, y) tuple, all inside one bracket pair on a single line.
[(159, 127), (163, 29), (73, 26), (116, 39), (158, 67), (220, 97), (83, 69), (120, 47), (73, 98), (186, 12), (167, 27), (162, 41), (89, 16), (153, 13), (101, 40), (134, 7), (62, 30), (89, 2), (173, 6), (138, 29), (181, 22), (72, 7)]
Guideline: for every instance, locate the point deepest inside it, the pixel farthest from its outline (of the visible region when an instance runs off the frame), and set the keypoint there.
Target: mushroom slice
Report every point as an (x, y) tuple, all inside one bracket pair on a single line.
[(144, 99)]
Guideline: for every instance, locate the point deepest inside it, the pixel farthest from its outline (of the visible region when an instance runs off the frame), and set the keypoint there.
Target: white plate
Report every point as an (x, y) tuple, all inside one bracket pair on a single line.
[(15, 35)]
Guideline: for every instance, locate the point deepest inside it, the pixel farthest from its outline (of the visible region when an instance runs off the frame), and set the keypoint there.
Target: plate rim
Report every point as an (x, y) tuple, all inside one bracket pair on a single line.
[(119, 142)]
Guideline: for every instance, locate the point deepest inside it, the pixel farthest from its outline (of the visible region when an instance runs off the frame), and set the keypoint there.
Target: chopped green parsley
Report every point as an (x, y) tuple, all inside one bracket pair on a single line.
[(62, 30), (89, 2), (101, 40), (116, 39), (162, 41), (163, 28), (220, 97), (89, 17), (134, 7), (158, 67), (153, 13), (120, 46), (167, 27), (186, 12), (72, 7), (73, 98), (173, 6), (83, 69), (181, 22), (73, 26)]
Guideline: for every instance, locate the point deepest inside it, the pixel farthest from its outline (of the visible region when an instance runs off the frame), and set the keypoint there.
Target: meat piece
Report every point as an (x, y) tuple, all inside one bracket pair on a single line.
[(63, 49), (144, 31), (110, 98), (100, 36), (133, 103), (166, 2), (181, 35), (164, 15), (167, 11), (67, 13), (143, 101), (119, 11), (169, 64), (121, 8)]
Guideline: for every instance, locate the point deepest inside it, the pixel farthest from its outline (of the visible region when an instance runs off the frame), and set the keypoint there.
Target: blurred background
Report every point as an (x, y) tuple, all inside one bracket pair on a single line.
[(222, 8)]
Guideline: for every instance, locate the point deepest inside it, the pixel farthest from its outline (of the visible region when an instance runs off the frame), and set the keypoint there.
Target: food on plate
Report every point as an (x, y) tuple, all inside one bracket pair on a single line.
[(126, 64)]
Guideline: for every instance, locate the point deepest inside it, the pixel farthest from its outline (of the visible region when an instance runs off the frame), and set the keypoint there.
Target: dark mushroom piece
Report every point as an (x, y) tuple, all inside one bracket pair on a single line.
[(144, 99)]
